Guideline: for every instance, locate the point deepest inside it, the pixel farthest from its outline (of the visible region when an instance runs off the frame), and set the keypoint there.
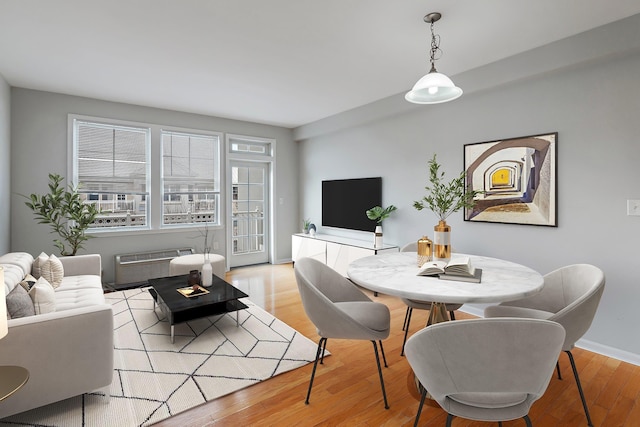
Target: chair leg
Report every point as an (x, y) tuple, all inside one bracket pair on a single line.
[(324, 348), (384, 358), (406, 329), (527, 420), (406, 316), (575, 374), (558, 370), (449, 419), (424, 396), (321, 343), (452, 315), (384, 393)]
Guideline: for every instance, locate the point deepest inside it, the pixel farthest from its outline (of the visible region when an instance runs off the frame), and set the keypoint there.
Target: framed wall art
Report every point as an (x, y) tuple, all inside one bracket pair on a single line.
[(517, 178)]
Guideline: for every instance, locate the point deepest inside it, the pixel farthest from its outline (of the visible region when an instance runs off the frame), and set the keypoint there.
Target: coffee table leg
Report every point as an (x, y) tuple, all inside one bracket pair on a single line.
[(237, 318), (172, 337)]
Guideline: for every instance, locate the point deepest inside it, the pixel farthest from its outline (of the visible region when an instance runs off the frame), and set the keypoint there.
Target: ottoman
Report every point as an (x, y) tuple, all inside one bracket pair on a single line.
[(185, 263)]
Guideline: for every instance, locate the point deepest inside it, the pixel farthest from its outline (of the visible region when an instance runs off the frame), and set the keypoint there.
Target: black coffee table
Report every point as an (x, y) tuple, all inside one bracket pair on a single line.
[(222, 298)]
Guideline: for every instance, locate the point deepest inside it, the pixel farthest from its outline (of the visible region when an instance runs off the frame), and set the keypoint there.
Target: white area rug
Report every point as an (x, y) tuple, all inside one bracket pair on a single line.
[(155, 379)]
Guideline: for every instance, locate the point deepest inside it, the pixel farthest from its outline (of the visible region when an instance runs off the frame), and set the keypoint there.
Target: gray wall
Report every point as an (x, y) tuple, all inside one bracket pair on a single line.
[(594, 105), (5, 165), (39, 147)]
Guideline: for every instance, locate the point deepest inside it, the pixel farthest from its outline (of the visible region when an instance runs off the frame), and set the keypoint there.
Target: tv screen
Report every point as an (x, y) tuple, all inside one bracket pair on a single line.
[(345, 202)]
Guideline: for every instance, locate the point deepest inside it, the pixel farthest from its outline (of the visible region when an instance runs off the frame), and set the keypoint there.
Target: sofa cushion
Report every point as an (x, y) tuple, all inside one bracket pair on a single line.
[(79, 291), (19, 259), (12, 276), (81, 281), (37, 262), (75, 298), (19, 303), (52, 270), (43, 296)]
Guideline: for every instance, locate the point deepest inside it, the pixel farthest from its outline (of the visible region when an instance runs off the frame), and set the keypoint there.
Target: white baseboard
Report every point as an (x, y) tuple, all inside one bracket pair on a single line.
[(592, 346)]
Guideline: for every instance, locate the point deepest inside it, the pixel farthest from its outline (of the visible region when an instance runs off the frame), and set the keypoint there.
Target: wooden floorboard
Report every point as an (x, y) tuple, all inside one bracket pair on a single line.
[(346, 391)]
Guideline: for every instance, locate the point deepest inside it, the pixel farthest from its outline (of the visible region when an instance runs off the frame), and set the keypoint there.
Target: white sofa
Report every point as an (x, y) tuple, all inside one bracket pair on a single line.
[(68, 352)]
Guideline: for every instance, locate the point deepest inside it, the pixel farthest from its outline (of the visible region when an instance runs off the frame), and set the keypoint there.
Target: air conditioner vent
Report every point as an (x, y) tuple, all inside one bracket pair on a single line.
[(138, 267)]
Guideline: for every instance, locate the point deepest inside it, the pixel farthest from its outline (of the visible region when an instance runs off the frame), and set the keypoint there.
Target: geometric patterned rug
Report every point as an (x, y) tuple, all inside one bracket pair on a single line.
[(155, 379)]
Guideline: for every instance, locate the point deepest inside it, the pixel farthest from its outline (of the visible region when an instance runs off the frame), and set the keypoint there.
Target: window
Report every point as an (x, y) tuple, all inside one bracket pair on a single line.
[(115, 169), (248, 145), (111, 171), (190, 177)]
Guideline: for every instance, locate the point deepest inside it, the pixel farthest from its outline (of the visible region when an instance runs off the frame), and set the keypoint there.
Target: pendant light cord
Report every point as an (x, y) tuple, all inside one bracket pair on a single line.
[(436, 52)]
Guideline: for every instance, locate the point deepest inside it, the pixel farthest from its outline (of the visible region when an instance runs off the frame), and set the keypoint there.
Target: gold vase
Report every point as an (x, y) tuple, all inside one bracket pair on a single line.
[(442, 241), (425, 250)]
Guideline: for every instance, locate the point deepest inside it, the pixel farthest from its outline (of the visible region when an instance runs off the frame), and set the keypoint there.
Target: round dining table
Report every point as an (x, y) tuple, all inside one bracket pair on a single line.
[(396, 274)]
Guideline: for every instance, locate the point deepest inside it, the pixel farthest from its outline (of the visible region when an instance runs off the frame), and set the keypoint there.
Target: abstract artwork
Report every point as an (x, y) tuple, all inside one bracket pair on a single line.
[(517, 180)]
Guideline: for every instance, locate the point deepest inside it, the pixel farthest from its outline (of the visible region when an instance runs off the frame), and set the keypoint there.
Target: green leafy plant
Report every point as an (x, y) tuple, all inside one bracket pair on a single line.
[(377, 213), (64, 210), (445, 198), (305, 224)]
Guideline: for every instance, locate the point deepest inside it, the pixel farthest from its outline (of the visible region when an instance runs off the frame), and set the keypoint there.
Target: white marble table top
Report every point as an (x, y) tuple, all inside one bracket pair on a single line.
[(396, 274)]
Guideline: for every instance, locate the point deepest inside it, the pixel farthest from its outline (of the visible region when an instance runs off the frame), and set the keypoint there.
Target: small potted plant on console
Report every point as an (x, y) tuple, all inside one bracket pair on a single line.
[(378, 214)]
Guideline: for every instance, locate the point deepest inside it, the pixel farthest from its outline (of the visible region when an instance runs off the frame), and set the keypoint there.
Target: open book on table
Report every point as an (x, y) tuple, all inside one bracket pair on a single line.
[(458, 268)]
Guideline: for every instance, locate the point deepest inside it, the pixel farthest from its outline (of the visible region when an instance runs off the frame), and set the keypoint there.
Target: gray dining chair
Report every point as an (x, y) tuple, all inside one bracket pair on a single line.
[(420, 305), (485, 369), (339, 309), (570, 296)]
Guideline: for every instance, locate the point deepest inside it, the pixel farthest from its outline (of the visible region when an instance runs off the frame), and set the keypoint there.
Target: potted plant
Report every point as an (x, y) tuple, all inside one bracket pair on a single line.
[(66, 213), (443, 199), (378, 214), (306, 223)]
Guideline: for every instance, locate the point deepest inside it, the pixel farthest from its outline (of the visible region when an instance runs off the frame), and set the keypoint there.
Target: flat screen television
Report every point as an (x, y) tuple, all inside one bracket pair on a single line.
[(346, 201)]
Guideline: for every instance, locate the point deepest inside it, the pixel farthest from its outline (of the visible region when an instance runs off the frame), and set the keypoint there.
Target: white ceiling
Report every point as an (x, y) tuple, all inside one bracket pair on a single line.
[(281, 62)]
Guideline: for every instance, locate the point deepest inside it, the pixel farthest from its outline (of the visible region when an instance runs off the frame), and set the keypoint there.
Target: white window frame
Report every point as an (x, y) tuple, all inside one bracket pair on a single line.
[(217, 179), (154, 221)]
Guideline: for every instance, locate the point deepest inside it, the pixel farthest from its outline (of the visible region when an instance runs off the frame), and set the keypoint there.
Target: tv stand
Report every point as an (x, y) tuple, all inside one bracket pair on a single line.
[(335, 251)]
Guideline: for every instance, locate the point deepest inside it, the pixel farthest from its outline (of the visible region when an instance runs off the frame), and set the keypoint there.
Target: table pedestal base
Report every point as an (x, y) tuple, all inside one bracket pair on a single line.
[(438, 313)]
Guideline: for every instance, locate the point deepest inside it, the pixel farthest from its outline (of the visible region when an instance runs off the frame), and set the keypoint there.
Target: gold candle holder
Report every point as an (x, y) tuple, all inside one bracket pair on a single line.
[(425, 250)]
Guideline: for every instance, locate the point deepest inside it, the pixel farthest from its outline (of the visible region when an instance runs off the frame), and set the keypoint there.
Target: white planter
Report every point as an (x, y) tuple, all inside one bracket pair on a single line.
[(377, 243)]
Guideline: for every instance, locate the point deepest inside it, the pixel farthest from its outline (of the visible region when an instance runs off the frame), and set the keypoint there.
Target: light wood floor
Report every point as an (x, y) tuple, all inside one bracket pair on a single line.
[(346, 391)]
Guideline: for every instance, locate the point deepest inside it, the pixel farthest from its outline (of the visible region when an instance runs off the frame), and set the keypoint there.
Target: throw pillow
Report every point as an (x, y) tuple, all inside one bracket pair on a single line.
[(43, 297), (52, 271), (19, 303), (37, 262), (28, 282)]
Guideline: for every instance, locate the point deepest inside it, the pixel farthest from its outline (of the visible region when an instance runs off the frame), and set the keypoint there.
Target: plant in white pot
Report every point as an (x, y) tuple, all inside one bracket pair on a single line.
[(443, 199), (379, 214)]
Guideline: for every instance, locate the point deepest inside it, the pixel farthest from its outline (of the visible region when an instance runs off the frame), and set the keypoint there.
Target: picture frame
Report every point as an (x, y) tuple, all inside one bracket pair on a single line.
[(517, 178)]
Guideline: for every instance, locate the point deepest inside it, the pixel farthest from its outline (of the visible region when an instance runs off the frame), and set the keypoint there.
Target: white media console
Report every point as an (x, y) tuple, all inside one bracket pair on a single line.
[(334, 251)]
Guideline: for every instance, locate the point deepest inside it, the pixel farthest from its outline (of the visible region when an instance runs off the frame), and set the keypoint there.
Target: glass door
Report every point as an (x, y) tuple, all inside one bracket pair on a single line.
[(249, 213)]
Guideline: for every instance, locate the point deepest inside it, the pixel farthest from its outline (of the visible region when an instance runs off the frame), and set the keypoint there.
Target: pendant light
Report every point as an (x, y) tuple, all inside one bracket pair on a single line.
[(434, 87)]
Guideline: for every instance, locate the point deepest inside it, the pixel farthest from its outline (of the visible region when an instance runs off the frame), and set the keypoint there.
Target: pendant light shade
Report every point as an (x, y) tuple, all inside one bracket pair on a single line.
[(433, 88)]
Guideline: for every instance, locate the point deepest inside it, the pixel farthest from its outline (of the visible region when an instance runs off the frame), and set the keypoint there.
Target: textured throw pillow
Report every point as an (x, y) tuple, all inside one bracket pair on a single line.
[(37, 262), (52, 271), (28, 282), (43, 297), (19, 303)]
